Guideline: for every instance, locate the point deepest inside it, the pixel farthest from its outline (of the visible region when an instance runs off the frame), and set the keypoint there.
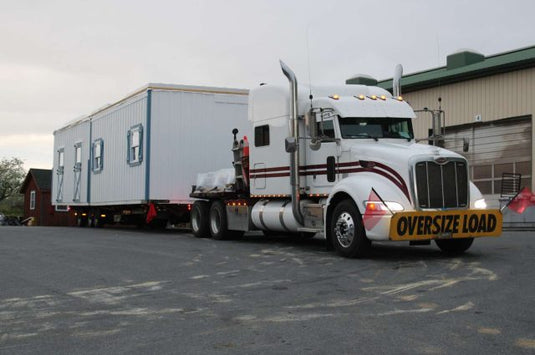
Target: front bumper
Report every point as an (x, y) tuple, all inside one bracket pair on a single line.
[(426, 225)]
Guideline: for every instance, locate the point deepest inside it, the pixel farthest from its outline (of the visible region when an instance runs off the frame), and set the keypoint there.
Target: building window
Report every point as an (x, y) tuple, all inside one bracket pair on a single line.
[(61, 159), (77, 171), (261, 136), (32, 200), (488, 178), (135, 145), (62, 208), (98, 155), (78, 154), (59, 172)]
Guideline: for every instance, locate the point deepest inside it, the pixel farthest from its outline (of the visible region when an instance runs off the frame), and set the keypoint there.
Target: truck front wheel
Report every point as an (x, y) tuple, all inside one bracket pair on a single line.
[(199, 219), (347, 231), (454, 246)]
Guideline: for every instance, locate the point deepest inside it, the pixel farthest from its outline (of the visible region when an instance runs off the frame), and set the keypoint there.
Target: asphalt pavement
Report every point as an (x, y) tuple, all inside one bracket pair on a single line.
[(109, 291)]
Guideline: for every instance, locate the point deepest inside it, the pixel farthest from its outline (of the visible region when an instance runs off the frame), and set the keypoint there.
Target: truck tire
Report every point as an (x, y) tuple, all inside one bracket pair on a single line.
[(218, 221), (454, 246), (199, 219), (347, 231)]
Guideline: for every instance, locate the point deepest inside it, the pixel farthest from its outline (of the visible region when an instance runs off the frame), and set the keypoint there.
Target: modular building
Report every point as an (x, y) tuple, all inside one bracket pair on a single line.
[(145, 148)]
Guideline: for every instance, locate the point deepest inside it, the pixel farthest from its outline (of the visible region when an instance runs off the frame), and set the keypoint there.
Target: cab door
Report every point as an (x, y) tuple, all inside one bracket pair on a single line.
[(321, 164)]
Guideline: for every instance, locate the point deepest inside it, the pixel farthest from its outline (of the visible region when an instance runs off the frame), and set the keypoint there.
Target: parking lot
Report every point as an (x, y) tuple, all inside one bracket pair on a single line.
[(69, 290)]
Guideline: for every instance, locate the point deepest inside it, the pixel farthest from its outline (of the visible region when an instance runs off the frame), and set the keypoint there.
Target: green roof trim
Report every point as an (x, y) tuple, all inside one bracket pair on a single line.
[(362, 80), (464, 58), (453, 73)]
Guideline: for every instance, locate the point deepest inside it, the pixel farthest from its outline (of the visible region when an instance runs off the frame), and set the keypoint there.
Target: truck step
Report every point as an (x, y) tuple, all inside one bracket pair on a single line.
[(309, 230)]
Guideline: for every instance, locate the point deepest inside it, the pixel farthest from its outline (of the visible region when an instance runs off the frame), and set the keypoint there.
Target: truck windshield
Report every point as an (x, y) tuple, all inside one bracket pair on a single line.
[(376, 127)]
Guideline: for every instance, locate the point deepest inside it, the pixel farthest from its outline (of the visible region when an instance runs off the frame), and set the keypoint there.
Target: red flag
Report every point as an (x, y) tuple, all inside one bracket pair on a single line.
[(375, 209), (523, 200), (151, 214)]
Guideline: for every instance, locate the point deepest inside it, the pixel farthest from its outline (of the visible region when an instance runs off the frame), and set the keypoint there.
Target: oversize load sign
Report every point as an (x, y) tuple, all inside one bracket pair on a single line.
[(445, 224)]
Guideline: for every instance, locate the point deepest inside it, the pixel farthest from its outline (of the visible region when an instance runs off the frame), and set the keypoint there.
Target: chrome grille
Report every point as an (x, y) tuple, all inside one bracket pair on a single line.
[(441, 185)]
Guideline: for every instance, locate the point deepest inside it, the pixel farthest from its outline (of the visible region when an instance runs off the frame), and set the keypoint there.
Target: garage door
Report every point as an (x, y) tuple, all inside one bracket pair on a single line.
[(496, 147)]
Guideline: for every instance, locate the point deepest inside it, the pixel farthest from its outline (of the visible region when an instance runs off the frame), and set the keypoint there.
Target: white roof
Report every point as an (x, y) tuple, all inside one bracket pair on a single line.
[(159, 87), (268, 102)]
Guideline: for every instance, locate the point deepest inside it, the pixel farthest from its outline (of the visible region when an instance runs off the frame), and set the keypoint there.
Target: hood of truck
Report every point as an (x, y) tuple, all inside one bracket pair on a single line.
[(394, 151), (396, 154), (390, 159)]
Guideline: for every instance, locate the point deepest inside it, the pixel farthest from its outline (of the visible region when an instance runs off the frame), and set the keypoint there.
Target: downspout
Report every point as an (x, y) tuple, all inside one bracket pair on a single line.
[(294, 132)]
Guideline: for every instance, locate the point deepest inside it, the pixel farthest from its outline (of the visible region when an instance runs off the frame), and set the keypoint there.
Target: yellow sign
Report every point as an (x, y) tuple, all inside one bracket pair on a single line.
[(420, 225)]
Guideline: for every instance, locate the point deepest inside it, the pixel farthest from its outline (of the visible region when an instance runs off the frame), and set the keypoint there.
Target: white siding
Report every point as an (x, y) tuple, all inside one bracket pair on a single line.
[(66, 139), (191, 132), (118, 182)]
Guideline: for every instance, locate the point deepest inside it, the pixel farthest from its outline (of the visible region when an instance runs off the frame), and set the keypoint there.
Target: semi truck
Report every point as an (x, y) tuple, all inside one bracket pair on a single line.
[(342, 161)]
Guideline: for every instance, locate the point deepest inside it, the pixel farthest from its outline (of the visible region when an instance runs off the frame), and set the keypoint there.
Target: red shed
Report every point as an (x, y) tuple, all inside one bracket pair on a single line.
[(37, 204)]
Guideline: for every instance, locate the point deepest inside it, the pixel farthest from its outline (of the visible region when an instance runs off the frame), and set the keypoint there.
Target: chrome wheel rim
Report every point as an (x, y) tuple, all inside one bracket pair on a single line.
[(344, 229)]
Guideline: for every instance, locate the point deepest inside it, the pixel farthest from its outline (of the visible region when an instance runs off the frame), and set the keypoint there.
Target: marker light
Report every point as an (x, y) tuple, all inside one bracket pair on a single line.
[(399, 98), (373, 97), (394, 206), (335, 97), (382, 97), (360, 97)]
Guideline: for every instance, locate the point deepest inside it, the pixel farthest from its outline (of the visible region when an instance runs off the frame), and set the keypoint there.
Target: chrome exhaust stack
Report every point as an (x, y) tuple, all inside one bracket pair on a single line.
[(292, 144), (396, 82)]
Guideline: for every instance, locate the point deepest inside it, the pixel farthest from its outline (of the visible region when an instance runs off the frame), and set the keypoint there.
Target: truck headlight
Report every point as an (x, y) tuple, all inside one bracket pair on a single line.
[(379, 206), (480, 204)]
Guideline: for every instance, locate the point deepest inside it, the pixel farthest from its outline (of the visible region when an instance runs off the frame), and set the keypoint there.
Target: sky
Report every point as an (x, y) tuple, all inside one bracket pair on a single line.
[(60, 60)]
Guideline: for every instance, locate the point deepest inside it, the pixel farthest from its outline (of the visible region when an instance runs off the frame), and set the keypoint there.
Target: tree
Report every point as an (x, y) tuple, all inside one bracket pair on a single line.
[(11, 176)]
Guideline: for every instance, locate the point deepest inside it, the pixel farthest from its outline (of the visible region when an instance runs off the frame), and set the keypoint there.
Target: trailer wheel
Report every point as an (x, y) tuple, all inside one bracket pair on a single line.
[(347, 231), (97, 222), (218, 221), (454, 246), (81, 221), (199, 219)]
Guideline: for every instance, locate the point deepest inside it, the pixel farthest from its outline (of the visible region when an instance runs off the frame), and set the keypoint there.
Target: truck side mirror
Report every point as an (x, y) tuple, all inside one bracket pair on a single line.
[(466, 144), (315, 143), (290, 144)]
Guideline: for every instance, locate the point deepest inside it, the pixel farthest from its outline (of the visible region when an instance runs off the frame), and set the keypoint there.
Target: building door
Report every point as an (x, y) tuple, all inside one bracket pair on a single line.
[(496, 147)]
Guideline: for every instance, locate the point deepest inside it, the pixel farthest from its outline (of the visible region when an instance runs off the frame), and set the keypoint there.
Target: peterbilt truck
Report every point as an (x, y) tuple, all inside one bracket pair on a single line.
[(341, 161)]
